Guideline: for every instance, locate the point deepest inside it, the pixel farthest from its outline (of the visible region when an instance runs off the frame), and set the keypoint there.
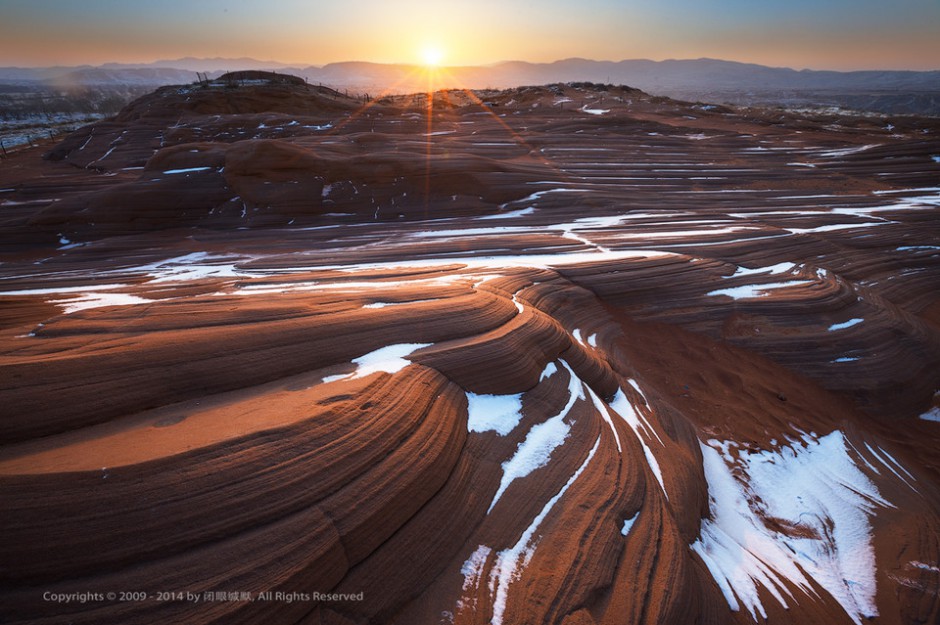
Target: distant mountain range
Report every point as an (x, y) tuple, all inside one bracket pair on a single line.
[(700, 79)]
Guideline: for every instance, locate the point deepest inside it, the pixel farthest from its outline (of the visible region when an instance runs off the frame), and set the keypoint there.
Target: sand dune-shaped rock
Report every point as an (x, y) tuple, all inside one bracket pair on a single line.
[(202, 532), (225, 180), (192, 365), (168, 106), (565, 354)]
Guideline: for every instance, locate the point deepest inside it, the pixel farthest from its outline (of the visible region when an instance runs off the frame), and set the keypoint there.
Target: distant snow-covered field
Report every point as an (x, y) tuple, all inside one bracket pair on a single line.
[(38, 127)]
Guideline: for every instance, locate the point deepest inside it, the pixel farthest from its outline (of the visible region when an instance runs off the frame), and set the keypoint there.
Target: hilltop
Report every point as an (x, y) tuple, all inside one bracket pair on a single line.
[(709, 80)]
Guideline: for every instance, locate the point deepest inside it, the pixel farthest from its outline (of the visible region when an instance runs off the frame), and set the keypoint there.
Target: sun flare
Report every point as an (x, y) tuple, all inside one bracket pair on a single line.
[(432, 56)]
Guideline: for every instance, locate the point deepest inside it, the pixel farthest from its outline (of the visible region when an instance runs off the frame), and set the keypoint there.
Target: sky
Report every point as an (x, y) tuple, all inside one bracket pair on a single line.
[(814, 34)]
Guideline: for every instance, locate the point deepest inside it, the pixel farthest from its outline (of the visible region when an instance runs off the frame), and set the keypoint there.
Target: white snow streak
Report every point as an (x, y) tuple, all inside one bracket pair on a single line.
[(534, 452), (605, 413), (86, 301), (628, 413), (187, 170), (845, 324), (628, 524), (472, 569), (753, 291), (812, 486), (508, 561), (772, 270)]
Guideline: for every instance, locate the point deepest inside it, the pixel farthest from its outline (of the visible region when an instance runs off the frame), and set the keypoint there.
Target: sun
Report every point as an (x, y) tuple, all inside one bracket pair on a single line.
[(432, 56)]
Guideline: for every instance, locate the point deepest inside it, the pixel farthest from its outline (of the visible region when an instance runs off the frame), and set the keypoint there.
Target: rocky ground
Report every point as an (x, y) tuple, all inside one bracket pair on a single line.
[(567, 354)]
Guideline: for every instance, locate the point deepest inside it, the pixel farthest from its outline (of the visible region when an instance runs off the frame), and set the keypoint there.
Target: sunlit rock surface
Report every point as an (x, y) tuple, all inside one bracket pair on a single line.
[(566, 354)]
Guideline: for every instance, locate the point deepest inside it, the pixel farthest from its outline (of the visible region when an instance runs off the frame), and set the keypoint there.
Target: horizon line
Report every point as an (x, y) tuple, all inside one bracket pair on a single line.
[(307, 65)]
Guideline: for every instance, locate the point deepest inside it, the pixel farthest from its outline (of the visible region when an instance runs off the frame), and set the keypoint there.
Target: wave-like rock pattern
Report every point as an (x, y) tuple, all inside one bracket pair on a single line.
[(565, 354)]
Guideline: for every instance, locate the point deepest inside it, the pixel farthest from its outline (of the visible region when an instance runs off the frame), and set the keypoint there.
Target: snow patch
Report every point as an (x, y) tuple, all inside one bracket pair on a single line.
[(386, 304), (605, 414), (538, 194), (845, 324), (193, 266), (628, 524), (508, 561), (498, 413), (86, 301), (754, 291), (918, 248), (577, 336), (390, 359), (540, 261), (535, 451), (186, 171), (636, 387), (834, 227), (847, 151), (925, 567), (681, 234), (65, 289), (932, 415), (472, 569), (549, 371), (812, 486), (509, 215), (772, 270), (622, 406), (474, 232)]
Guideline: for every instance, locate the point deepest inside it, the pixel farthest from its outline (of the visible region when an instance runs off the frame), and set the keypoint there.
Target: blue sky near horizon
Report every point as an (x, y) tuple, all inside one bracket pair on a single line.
[(833, 34)]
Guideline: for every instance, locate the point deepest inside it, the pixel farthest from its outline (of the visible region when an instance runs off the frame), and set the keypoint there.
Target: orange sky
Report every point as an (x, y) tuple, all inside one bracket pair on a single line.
[(836, 34)]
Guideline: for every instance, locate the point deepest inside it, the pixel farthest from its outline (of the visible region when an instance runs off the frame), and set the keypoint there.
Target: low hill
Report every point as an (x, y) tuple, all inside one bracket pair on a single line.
[(707, 80)]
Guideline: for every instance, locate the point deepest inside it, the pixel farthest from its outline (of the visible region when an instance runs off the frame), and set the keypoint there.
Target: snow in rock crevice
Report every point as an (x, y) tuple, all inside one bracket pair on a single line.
[(510, 561), (536, 450)]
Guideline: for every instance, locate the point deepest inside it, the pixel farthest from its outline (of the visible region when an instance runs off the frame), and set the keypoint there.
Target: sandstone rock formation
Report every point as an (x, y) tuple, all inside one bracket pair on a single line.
[(566, 354)]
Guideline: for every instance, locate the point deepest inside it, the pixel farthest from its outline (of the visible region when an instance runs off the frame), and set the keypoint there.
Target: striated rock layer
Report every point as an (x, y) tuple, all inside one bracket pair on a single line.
[(566, 354)]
